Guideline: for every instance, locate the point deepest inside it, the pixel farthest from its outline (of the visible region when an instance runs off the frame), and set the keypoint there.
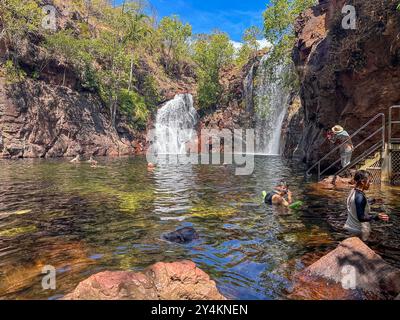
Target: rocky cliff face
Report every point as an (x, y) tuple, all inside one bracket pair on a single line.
[(51, 114), (347, 76), (38, 119)]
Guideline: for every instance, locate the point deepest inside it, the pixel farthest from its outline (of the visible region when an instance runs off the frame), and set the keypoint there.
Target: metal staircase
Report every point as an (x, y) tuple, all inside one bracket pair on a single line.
[(394, 146), (373, 144)]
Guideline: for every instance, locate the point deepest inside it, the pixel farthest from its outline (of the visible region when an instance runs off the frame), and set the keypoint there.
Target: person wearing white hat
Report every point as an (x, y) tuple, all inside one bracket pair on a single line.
[(341, 137)]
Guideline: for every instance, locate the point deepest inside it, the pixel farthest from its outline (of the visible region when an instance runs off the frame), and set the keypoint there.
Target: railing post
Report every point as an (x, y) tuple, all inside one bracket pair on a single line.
[(319, 171), (390, 127), (383, 130)]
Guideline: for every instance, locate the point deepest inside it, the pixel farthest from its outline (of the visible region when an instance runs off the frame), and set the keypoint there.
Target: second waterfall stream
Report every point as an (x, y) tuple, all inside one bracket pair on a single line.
[(267, 96)]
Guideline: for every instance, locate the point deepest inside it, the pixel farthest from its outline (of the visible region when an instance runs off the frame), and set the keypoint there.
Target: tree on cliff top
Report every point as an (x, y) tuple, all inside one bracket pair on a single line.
[(279, 19), (174, 40), (211, 54), (17, 19)]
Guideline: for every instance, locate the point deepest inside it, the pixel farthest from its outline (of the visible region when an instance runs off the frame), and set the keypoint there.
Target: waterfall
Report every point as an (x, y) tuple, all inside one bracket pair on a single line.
[(175, 125), (270, 100)]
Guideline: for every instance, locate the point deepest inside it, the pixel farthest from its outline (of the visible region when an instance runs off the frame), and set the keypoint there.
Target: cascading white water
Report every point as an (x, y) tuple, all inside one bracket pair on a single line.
[(270, 102), (175, 124)]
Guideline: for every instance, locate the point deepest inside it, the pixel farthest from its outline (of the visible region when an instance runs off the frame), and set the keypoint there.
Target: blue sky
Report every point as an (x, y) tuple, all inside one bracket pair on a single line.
[(231, 16)]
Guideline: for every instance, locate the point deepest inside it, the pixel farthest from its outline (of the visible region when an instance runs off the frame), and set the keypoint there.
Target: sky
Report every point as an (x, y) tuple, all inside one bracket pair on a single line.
[(231, 16)]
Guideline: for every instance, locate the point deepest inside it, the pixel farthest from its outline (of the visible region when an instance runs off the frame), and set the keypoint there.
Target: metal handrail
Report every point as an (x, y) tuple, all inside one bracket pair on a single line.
[(391, 122), (365, 154), (359, 145), (382, 128)]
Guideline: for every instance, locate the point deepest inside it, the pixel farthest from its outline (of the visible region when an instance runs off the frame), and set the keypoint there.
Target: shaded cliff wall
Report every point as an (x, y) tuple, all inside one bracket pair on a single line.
[(42, 120), (50, 113), (347, 76)]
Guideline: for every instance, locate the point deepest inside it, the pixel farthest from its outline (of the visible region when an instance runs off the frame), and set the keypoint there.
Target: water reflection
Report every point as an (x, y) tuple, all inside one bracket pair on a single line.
[(83, 220)]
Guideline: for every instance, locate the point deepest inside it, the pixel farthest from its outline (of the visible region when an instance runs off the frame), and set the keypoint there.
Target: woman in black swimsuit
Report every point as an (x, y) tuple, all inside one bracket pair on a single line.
[(277, 196)]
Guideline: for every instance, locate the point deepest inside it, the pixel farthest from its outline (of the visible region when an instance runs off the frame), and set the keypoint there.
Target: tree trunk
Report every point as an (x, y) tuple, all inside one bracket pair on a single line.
[(63, 83), (131, 74)]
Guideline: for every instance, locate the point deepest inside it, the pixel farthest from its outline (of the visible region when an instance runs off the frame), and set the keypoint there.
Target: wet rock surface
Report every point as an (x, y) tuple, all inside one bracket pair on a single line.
[(162, 281), (373, 277), (347, 76), (183, 235)]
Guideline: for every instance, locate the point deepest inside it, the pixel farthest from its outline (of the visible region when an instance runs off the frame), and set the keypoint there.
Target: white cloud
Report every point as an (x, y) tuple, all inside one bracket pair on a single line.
[(264, 43)]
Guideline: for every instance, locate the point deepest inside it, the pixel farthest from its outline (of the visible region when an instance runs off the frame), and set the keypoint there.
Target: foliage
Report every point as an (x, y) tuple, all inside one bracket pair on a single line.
[(13, 72), (279, 19), (106, 61), (174, 37), (134, 104), (17, 19), (211, 54), (250, 46), (250, 38)]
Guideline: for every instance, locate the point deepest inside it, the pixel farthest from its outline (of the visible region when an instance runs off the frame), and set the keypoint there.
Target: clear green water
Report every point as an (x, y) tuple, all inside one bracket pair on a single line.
[(83, 220)]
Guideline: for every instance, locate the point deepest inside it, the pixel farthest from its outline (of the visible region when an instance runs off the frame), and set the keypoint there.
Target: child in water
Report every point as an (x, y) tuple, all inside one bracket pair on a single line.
[(358, 208)]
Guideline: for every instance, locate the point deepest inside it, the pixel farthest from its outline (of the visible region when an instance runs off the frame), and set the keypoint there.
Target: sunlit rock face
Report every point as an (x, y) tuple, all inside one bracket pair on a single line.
[(351, 271), (162, 281), (347, 76)]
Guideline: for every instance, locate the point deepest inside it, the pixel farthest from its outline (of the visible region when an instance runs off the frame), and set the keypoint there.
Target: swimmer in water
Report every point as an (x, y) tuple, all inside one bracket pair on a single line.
[(280, 196), (77, 159)]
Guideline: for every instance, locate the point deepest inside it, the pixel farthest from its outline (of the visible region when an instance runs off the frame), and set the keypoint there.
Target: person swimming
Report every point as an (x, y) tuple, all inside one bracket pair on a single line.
[(93, 163), (77, 159), (277, 196), (358, 208)]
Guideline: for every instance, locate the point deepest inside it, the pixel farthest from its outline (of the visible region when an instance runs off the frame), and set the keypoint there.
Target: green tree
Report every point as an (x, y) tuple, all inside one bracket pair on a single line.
[(250, 38), (174, 37), (17, 19), (211, 54), (137, 26), (279, 19)]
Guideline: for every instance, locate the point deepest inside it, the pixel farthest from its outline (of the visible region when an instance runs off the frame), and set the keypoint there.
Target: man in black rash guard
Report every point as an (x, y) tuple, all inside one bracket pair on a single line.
[(358, 208)]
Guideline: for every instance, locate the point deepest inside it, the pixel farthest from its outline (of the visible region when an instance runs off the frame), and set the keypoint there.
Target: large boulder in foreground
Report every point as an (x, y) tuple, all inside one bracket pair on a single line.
[(162, 281), (374, 278)]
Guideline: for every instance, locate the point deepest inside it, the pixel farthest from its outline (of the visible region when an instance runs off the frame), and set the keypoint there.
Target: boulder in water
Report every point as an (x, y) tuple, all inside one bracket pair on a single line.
[(373, 277), (162, 281), (183, 235)]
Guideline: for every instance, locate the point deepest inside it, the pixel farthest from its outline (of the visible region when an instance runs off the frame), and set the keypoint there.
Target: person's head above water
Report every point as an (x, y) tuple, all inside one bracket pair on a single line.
[(282, 188), (362, 180)]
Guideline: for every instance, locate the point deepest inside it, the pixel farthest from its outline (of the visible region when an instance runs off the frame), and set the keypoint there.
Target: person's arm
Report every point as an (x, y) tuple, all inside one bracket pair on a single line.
[(361, 203), (278, 200), (290, 198)]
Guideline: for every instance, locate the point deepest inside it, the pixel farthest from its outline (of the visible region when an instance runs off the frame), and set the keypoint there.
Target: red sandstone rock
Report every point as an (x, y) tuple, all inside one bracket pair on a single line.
[(374, 278), (339, 183), (162, 281), (347, 76)]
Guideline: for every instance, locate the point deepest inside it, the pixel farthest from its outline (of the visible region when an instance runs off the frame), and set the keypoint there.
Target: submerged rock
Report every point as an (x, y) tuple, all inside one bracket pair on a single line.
[(162, 281), (373, 277), (339, 183), (184, 235)]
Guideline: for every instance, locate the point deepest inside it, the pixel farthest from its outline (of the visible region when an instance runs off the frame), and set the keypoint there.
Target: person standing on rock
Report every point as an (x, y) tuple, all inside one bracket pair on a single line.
[(339, 136), (358, 208)]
